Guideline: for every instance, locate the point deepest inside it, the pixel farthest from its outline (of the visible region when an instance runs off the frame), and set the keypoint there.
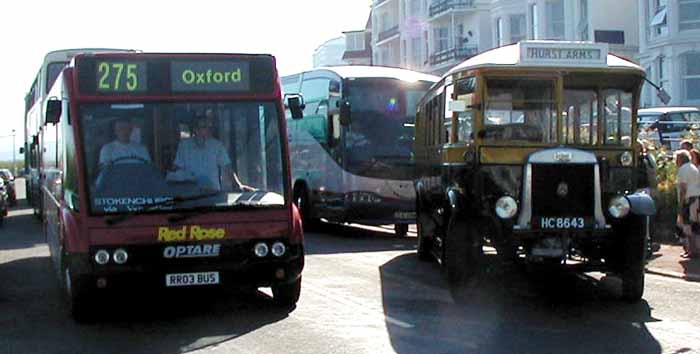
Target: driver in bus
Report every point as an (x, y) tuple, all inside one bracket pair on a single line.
[(204, 158), (122, 149)]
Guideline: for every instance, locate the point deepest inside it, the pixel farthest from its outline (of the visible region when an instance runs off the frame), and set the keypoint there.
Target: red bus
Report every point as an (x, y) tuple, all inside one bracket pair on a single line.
[(169, 170)]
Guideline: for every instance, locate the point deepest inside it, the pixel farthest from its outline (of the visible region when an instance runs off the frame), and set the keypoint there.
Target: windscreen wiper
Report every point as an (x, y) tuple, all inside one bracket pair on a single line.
[(188, 213), (152, 206)]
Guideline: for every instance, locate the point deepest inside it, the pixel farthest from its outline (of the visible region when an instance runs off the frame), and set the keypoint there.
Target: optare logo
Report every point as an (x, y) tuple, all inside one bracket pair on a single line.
[(562, 189), (192, 251)]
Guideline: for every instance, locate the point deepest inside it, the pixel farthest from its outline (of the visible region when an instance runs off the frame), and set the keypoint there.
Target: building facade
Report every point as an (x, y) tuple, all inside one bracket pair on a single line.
[(434, 35), (670, 50), (330, 53)]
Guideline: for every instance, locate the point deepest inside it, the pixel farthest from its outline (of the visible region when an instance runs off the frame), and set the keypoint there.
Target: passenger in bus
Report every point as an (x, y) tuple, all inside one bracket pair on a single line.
[(204, 159), (122, 149)]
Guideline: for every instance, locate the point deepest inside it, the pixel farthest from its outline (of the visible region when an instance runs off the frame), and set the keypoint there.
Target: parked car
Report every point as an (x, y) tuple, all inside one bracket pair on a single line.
[(3, 200), (668, 125), (10, 190)]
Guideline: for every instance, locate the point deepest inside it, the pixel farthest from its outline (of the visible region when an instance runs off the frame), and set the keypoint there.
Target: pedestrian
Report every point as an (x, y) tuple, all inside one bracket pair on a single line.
[(695, 154), (688, 187), (686, 145)]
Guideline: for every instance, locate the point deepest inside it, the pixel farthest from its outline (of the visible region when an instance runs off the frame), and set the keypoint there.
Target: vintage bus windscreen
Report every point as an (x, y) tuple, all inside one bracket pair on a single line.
[(160, 144), (380, 137)]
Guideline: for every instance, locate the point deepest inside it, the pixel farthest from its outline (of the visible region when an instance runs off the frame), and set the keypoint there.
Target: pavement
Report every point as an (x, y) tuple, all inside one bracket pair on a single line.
[(667, 261)]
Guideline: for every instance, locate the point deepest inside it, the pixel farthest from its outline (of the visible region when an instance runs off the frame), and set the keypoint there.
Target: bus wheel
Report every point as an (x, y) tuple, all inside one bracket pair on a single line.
[(77, 296), (287, 295), (303, 202), (401, 230), (463, 255), (631, 252)]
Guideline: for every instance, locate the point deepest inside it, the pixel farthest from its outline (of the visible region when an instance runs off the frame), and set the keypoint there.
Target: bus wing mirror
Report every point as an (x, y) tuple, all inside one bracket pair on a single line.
[(664, 96), (53, 110), (295, 104), (344, 112)]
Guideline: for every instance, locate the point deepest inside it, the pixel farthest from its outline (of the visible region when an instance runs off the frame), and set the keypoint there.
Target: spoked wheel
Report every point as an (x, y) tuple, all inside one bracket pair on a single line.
[(401, 230), (463, 258), (287, 295)]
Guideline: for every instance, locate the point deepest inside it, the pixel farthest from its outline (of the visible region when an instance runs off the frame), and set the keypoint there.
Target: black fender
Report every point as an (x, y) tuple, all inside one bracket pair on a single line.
[(456, 201), (641, 204)]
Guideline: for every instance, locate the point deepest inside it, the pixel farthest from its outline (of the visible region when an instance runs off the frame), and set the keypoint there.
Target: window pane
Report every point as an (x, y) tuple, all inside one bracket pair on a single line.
[(689, 11), (580, 116), (618, 118), (465, 132), (692, 64), (520, 110), (692, 89)]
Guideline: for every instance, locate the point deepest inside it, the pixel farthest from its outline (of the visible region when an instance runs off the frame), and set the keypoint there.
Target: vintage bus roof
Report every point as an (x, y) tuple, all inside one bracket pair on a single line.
[(364, 71), (510, 56)]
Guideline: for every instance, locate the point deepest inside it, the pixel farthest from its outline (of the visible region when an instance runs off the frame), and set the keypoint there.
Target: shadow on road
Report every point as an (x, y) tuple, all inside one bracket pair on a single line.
[(513, 312), (33, 318), (20, 230), (329, 238)]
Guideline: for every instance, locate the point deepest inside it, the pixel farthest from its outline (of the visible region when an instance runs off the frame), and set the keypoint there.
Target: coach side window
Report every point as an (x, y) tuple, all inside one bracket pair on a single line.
[(465, 120)]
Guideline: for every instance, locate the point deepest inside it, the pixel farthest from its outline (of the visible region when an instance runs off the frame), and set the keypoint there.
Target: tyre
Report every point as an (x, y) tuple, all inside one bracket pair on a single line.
[(77, 296), (424, 242), (303, 202), (631, 249), (463, 255), (401, 230), (287, 295)]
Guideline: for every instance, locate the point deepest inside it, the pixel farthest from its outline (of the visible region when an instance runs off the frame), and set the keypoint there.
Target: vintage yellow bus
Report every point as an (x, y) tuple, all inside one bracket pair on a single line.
[(531, 149)]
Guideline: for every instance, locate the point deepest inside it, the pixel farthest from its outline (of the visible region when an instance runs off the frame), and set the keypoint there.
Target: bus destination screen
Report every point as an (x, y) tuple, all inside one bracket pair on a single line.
[(180, 76)]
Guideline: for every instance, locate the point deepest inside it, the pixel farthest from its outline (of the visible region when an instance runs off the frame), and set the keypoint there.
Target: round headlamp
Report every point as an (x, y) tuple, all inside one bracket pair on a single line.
[(626, 159), (619, 207), (261, 250), (102, 257), (278, 249), (120, 256), (506, 207)]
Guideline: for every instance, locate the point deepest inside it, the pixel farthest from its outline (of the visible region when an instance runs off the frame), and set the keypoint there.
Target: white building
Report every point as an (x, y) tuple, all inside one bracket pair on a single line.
[(330, 53), (358, 45), (435, 35), (670, 50)]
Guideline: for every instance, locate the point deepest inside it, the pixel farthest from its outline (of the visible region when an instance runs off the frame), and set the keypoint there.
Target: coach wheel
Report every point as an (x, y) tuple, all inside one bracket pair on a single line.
[(303, 202), (463, 257), (76, 296), (287, 295), (631, 252), (401, 230)]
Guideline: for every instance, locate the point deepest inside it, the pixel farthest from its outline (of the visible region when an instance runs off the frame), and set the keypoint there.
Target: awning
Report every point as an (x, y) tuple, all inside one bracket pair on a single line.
[(660, 18)]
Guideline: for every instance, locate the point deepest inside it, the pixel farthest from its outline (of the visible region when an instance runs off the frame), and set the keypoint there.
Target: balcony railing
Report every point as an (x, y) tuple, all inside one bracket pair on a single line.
[(459, 53), (388, 33), (441, 6)]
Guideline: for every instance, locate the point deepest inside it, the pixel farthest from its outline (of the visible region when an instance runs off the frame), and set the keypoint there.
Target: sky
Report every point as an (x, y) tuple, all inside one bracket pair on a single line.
[(289, 30)]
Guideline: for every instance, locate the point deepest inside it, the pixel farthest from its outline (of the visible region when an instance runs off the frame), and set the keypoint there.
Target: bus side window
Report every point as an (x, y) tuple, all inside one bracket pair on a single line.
[(465, 120)]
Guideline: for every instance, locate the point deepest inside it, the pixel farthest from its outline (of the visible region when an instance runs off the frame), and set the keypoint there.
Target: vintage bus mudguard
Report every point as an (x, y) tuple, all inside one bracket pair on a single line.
[(297, 235), (642, 204)]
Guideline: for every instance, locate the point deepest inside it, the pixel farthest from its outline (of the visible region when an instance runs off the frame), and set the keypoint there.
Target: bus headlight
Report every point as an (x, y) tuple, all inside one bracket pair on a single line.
[(102, 257), (278, 249), (619, 207), (261, 250), (506, 207), (626, 159), (120, 256)]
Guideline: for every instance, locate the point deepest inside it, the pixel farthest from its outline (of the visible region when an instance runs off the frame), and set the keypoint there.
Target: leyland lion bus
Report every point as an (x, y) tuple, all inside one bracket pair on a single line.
[(352, 153), (531, 148), (34, 102), (170, 171)]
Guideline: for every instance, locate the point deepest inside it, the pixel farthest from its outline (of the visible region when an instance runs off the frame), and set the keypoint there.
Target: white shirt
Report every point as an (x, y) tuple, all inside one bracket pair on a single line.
[(203, 161), (116, 150), (689, 175)]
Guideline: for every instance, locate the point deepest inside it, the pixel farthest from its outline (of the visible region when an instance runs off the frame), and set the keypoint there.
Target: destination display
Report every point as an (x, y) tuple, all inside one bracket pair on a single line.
[(159, 75), (564, 54)]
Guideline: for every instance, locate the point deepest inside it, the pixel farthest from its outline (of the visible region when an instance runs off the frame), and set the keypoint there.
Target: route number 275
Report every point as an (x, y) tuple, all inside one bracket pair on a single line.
[(117, 77)]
